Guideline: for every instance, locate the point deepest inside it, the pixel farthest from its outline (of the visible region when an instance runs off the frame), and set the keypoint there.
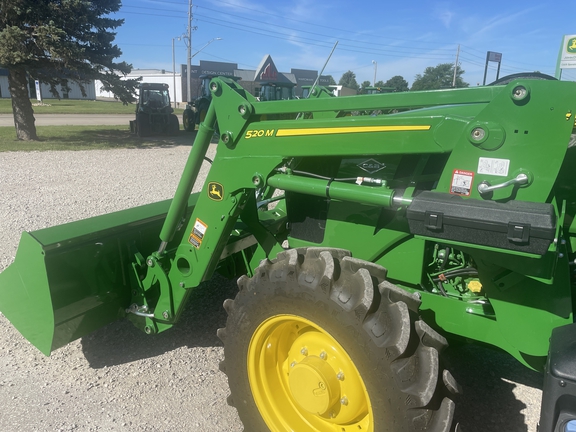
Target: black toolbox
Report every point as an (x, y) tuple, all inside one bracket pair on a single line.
[(515, 225)]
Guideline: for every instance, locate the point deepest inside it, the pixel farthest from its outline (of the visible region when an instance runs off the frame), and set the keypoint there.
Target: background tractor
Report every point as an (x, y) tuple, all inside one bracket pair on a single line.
[(195, 111), (361, 244), (154, 113), (273, 91)]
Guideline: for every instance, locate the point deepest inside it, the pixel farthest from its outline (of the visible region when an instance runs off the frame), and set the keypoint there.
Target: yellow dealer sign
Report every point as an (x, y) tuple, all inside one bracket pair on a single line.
[(568, 54)]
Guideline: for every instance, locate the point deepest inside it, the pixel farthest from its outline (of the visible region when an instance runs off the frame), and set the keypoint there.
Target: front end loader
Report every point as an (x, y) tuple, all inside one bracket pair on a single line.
[(361, 244)]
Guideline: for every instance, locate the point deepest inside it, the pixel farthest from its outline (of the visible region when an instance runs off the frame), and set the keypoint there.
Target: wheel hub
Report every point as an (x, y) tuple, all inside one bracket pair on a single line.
[(314, 385)]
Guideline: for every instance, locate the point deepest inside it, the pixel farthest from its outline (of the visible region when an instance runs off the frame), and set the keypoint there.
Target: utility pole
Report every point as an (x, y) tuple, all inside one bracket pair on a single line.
[(189, 56), (375, 69), (456, 66), (174, 72)]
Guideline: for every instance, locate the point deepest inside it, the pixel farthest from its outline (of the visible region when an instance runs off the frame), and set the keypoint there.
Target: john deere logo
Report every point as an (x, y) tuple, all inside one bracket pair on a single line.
[(215, 191), (371, 166), (571, 46)]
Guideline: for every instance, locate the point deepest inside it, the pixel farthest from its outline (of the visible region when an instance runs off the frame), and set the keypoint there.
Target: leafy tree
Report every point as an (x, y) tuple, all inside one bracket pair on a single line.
[(331, 80), (398, 82), (57, 42), (349, 80), (380, 84), (439, 77)]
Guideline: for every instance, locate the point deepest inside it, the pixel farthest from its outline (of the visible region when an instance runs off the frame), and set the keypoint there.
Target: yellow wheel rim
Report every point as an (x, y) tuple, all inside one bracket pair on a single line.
[(303, 380)]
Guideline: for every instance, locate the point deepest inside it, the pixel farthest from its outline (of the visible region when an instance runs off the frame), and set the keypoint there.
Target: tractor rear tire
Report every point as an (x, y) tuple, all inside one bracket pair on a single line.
[(143, 126), (318, 341), (188, 121), (173, 125)]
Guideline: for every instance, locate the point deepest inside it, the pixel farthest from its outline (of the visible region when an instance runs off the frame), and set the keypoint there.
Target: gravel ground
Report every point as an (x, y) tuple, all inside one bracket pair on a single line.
[(117, 378)]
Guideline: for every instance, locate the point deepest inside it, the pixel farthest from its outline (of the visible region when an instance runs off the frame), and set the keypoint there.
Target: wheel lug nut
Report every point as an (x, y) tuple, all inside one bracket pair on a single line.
[(344, 401), (293, 364), (340, 376), (304, 351), (323, 355)]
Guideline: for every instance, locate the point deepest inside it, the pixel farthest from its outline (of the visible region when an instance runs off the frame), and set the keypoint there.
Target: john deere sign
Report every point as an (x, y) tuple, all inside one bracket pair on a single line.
[(567, 57)]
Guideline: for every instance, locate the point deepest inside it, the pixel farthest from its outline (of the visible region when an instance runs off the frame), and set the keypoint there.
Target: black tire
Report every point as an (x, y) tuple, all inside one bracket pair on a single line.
[(173, 125), (389, 358), (523, 75), (188, 121), (143, 126)]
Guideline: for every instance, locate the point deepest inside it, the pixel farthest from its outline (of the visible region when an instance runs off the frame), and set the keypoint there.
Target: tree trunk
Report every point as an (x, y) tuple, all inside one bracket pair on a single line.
[(21, 105)]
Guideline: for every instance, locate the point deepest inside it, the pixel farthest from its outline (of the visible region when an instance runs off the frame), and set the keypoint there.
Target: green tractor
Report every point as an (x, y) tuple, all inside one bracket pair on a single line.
[(361, 244), (154, 113), (272, 91), (195, 112), (377, 90)]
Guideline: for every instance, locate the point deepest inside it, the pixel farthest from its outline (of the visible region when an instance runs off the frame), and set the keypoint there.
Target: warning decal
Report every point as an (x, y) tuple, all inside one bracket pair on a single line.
[(461, 182), (197, 234)]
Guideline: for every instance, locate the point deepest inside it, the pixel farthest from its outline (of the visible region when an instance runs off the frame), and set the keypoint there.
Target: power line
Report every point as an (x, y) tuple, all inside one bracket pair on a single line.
[(367, 50), (306, 23), (468, 54)]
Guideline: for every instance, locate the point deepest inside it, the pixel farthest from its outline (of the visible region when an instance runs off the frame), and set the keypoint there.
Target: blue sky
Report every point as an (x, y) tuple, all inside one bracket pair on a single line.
[(402, 37)]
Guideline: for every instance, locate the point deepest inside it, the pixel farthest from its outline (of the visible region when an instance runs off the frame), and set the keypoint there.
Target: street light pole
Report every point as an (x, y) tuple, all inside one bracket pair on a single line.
[(174, 72), (189, 56), (375, 69)]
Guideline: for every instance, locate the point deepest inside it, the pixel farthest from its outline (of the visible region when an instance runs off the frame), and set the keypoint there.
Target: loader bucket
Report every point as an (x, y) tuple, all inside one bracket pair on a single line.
[(69, 280)]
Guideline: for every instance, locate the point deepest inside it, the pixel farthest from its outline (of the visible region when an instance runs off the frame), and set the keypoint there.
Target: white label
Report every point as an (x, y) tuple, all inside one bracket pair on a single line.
[(497, 167)]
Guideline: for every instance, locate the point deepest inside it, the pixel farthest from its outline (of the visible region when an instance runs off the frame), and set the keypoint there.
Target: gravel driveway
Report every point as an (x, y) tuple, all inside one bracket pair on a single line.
[(119, 379)]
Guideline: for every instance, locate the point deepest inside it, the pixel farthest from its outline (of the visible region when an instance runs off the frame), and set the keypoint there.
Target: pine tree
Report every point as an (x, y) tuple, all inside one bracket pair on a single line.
[(57, 42)]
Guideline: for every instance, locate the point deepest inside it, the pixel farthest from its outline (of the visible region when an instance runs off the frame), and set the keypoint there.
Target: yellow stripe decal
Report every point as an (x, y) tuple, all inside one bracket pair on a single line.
[(345, 130)]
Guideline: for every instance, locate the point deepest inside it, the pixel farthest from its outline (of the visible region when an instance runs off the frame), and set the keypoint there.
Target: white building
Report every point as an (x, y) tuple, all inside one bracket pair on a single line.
[(161, 76), (74, 93)]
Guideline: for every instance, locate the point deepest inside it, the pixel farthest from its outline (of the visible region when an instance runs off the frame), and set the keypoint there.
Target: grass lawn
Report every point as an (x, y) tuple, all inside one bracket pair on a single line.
[(86, 138), (72, 106)]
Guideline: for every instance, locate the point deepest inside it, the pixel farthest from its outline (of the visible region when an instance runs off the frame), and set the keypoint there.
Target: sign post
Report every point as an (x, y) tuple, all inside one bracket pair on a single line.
[(567, 55), (492, 56), (38, 92)]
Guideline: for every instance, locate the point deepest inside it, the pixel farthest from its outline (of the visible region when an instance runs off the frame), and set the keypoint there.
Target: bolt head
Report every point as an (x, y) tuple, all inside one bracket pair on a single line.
[(344, 401), (478, 134), (519, 92), (323, 355), (304, 351)]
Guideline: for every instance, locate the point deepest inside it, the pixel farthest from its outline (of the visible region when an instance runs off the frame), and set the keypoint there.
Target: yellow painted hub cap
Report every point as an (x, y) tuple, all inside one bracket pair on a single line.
[(302, 379), (314, 385)]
